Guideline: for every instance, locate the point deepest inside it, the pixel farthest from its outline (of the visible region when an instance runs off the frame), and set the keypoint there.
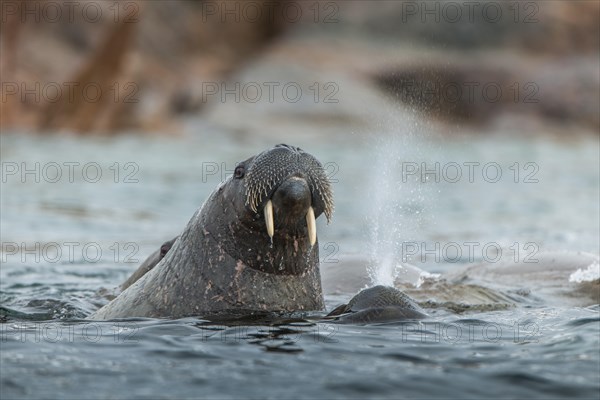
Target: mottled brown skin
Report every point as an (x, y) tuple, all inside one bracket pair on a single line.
[(224, 259)]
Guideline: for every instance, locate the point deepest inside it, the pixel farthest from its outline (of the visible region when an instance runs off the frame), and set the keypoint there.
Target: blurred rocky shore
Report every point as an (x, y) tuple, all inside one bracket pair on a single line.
[(149, 66)]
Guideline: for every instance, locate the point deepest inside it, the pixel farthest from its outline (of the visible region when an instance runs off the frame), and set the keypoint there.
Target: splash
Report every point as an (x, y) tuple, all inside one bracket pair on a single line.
[(397, 204), (590, 274)]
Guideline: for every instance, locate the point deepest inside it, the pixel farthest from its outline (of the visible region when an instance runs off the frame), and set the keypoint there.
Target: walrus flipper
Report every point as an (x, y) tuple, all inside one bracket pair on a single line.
[(150, 262)]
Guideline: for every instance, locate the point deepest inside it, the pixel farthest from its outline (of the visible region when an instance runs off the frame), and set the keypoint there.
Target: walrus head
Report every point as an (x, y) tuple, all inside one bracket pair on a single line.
[(271, 204)]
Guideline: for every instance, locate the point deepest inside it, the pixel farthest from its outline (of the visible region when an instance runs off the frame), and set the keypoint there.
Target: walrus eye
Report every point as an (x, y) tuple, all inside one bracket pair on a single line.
[(239, 172), (164, 249)]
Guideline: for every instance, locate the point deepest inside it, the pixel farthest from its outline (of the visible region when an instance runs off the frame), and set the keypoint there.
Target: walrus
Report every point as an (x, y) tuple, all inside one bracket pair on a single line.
[(251, 246), (377, 304), (149, 263)]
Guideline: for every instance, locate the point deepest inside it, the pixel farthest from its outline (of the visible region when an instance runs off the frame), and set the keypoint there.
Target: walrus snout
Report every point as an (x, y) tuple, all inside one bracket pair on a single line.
[(291, 201), (293, 197), (291, 183), (289, 205)]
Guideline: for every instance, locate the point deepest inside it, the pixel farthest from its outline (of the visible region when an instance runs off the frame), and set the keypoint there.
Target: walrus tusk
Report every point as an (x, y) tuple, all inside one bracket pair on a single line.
[(312, 225), (269, 219)]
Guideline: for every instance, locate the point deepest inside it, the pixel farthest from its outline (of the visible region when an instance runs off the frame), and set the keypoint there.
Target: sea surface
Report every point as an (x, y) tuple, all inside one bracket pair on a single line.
[(80, 213)]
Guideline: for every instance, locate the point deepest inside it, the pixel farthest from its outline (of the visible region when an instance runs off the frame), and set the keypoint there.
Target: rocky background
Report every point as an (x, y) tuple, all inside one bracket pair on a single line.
[(106, 67)]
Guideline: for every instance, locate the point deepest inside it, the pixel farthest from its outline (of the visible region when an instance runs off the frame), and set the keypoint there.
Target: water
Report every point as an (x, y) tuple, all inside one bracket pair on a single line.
[(49, 351)]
